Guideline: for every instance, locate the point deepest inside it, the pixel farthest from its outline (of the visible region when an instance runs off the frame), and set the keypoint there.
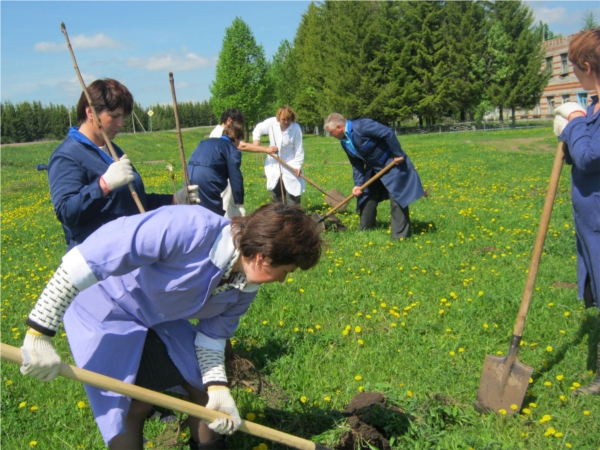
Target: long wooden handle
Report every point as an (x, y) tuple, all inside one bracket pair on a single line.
[(136, 199), (179, 138), (539, 242), (362, 188), (13, 354), (287, 166)]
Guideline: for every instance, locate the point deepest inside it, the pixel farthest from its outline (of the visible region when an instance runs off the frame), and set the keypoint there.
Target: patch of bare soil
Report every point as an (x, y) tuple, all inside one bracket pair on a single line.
[(564, 285), (368, 417), (527, 145), (486, 249)]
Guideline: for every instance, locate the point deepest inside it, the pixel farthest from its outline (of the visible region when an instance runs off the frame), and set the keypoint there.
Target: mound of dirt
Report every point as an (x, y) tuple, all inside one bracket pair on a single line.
[(369, 416)]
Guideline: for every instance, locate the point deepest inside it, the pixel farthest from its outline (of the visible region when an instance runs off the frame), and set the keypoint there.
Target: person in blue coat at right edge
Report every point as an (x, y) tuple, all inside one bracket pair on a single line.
[(580, 130), (370, 146)]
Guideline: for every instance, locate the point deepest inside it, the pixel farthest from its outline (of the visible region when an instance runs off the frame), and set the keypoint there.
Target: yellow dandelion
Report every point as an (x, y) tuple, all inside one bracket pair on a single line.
[(361, 389), (514, 407), (567, 313), (33, 443), (22, 404), (502, 411), (303, 399), (558, 434), (486, 326), (576, 384), (526, 411), (263, 446), (547, 383), (533, 405), (251, 416), (409, 393), (361, 342), (549, 349), (452, 353), (586, 413), (327, 399), (563, 398), (357, 329), (560, 377), (358, 378), (568, 445), (480, 293), (8, 382), (549, 432)]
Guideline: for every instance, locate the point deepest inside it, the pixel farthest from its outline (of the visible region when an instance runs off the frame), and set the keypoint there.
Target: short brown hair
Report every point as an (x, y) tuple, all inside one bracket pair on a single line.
[(107, 95), (286, 112), (234, 131), (282, 233), (585, 48)]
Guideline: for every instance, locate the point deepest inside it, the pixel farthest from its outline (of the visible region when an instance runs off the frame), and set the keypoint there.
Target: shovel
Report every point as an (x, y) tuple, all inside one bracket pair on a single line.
[(333, 197), (504, 381), (320, 220), (13, 354)]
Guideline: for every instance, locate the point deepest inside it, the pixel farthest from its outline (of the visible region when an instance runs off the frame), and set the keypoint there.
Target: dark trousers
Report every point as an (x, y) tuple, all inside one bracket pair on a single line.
[(289, 198), (400, 217)]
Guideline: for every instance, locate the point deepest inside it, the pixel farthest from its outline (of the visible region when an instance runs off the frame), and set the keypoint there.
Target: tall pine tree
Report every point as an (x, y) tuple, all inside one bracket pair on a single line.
[(241, 75)]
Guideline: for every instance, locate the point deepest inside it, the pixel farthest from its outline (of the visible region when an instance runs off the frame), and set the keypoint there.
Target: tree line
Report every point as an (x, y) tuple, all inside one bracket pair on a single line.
[(391, 61), (29, 122)]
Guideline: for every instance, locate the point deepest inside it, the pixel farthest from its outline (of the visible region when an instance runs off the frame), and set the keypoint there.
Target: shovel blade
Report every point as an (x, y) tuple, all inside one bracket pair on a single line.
[(319, 222), (494, 393), (334, 198)]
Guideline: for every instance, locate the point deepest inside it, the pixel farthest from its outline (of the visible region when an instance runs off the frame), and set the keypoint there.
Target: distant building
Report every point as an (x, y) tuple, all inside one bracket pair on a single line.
[(563, 86)]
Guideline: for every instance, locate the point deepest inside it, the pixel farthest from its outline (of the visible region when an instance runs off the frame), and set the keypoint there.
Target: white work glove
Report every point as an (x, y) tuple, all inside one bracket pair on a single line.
[(559, 125), (241, 209), (566, 109), (182, 199), (40, 359), (118, 174), (220, 399)]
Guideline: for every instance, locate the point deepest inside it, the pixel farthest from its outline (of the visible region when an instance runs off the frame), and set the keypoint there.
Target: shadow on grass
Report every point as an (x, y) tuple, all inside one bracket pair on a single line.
[(590, 327)]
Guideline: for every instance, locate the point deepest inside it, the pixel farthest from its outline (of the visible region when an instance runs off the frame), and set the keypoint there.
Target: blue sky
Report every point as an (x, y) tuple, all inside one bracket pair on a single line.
[(139, 42)]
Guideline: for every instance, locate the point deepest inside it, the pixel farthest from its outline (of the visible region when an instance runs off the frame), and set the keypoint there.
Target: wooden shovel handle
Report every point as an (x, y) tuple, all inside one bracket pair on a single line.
[(362, 188), (287, 166), (13, 354), (179, 138), (539, 242)]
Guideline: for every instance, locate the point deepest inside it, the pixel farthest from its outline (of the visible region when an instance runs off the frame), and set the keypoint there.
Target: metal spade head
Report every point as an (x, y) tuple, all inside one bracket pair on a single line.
[(500, 390), (334, 198)]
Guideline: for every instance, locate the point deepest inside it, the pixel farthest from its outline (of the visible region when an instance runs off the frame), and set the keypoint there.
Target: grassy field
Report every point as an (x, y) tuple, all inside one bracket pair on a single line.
[(413, 319)]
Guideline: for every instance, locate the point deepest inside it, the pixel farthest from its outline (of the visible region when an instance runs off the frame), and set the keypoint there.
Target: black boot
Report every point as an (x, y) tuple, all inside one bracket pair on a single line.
[(594, 387), (215, 444)]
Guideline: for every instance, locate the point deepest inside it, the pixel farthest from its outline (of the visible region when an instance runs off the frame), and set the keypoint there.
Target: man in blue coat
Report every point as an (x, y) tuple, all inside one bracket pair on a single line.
[(370, 147)]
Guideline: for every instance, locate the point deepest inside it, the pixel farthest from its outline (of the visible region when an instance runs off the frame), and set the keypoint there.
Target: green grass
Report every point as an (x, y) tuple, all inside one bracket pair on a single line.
[(429, 308)]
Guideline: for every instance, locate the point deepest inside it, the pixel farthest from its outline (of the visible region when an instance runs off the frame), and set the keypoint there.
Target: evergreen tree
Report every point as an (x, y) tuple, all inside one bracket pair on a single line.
[(524, 81), (588, 21), (241, 74), (282, 77), (307, 64)]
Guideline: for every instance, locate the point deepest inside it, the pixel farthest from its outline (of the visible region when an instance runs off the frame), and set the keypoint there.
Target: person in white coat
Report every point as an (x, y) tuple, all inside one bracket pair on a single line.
[(286, 135), (235, 115)]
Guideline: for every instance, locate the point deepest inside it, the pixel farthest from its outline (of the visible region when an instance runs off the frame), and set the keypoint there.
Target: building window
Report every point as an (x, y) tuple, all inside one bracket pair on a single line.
[(550, 105), (582, 99), (564, 63), (565, 98), (549, 64)]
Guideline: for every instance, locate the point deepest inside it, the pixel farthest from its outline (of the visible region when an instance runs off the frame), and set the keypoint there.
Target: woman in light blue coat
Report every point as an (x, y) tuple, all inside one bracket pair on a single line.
[(130, 291)]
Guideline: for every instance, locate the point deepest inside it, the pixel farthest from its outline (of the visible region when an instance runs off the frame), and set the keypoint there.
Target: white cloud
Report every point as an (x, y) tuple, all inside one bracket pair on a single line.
[(80, 42), (183, 84), (170, 62), (549, 15)]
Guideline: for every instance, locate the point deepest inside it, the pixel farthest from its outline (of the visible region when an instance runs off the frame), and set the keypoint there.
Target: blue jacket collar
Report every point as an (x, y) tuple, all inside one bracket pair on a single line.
[(79, 137)]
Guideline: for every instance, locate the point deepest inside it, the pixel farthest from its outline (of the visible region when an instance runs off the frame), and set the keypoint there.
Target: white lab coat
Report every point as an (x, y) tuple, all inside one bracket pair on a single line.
[(289, 143)]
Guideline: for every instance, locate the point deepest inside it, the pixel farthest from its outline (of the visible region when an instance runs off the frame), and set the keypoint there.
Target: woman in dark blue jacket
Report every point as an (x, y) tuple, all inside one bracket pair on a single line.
[(214, 161), (580, 129), (88, 188)]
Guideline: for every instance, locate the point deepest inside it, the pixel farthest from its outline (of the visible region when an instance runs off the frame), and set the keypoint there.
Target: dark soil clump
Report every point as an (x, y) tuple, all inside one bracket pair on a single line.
[(372, 422)]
